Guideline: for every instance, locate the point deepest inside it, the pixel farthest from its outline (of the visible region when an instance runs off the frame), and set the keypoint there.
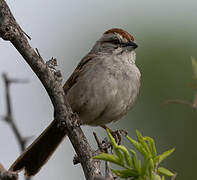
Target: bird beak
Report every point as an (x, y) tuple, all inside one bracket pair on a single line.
[(131, 43)]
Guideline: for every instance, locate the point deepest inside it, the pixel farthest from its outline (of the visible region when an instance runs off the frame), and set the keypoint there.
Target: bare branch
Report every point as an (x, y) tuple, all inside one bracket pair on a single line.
[(39, 54), (103, 147), (11, 31), (9, 116), (7, 175)]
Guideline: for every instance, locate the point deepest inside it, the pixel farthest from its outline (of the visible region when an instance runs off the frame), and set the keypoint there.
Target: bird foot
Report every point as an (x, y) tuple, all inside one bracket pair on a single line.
[(116, 134)]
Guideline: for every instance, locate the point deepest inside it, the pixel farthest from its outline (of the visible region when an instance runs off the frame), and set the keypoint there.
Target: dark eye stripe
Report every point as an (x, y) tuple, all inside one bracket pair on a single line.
[(115, 41)]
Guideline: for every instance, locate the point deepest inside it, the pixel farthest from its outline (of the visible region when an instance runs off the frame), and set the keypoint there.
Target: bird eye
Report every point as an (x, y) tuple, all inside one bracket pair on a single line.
[(115, 41)]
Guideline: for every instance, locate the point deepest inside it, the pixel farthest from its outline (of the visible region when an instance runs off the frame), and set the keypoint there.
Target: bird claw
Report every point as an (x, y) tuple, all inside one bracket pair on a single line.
[(116, 134)]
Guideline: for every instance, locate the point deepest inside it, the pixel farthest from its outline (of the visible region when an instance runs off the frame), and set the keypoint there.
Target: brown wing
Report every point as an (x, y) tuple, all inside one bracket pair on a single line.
[(74, 76)]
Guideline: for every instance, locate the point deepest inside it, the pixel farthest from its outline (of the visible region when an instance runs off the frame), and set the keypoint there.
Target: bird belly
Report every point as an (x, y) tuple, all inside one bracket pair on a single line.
[(105, 97)]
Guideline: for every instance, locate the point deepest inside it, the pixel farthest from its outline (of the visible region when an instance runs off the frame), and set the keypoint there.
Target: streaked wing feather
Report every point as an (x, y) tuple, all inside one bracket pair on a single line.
[(74, 76)]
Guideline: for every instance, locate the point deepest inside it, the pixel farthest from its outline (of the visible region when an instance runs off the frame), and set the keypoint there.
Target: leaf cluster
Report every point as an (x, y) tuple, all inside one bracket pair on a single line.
[(131, 167)]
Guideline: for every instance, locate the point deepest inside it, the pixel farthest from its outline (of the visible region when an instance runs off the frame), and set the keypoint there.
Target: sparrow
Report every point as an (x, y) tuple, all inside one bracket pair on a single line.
[(102, 89)]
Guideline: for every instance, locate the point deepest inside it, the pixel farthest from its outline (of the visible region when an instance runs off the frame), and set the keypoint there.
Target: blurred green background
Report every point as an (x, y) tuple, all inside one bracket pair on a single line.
[(166, 34), (164, 59)]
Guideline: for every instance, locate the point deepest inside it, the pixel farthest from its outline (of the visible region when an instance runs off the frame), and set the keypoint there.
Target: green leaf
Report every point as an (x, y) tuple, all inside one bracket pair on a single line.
[(151, 166), (156, 177), (163, 156), (194, 67), (139, 178), (164, 172), (142, 142), (151, 145), (139, 147), (116, 150), (127, 156), (126, 173), (135, 161), (108, 157), (120, 156), (162, 178), (147, 167), (114, 144)]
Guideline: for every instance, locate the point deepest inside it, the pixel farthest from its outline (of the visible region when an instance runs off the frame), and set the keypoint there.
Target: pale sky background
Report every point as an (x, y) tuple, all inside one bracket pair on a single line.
[(67, 30)]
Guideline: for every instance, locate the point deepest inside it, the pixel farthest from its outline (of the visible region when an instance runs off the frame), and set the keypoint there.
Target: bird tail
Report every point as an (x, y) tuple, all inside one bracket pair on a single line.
[(39, 152)]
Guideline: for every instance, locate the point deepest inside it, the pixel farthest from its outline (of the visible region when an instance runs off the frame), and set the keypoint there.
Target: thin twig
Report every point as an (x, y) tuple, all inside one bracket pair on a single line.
[(108, 174), (103, 147), (39, 54), (99, 144), (26, 35), (7, 175), (9, 116), (178, 101)]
